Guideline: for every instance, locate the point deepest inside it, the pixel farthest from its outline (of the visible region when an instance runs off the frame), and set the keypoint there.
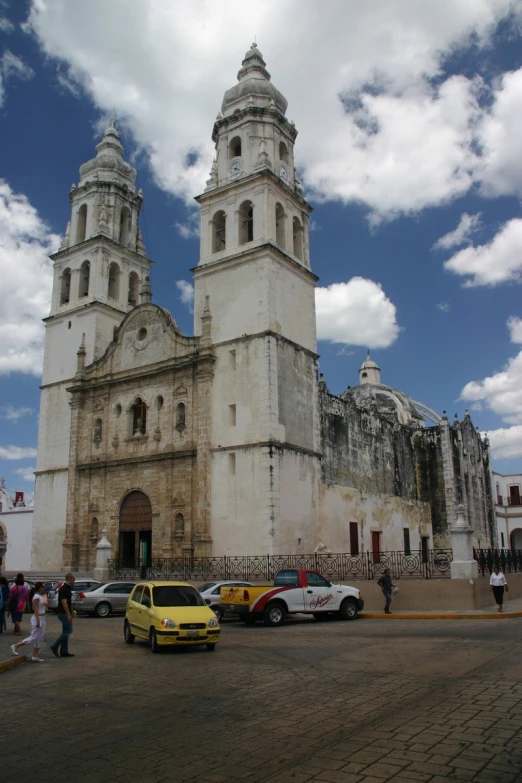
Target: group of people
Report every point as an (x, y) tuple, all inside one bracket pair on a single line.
[(13, 602)]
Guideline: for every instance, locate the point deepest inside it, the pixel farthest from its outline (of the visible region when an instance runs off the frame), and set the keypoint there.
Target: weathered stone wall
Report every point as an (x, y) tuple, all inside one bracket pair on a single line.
[(365, 450), (430, 481)]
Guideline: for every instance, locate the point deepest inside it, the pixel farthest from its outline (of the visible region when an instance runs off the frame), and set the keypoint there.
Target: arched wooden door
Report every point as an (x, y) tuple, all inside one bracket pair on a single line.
[(135, 530)]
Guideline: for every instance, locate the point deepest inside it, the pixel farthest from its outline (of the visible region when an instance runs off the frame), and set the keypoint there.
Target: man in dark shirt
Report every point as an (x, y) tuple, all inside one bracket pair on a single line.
[(61, 646), (385, 583)]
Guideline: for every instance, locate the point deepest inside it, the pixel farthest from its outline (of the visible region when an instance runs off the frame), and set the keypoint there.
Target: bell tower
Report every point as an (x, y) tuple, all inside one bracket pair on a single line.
[(254, 272), (99, 271)]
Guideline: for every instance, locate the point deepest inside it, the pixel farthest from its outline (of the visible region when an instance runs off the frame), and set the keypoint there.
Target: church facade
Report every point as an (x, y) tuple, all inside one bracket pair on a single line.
[(225, 442)]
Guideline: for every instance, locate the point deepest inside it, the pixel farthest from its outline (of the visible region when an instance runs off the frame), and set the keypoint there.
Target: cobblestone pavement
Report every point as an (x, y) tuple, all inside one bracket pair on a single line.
[(361, 702)]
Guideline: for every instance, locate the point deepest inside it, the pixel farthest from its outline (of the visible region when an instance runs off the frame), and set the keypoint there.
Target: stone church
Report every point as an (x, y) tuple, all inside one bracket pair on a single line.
[(226, 442)]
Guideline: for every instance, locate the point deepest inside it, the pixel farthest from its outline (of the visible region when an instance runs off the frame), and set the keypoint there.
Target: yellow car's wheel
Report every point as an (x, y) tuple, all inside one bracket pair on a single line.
[(211, 646), (127, 633), (153, 640)]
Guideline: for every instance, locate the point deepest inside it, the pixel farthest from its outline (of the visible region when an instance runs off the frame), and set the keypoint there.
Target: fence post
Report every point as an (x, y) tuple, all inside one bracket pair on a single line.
[(463, 565)]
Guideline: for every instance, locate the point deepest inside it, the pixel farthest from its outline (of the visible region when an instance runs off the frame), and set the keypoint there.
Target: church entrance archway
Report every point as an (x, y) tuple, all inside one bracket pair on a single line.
[(135, 530)]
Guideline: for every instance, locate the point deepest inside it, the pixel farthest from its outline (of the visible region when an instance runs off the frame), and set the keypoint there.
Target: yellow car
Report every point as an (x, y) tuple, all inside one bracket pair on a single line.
[(169, 614)]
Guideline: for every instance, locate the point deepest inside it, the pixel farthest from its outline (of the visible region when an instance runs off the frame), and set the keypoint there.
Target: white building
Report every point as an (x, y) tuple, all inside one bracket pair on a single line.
[(507, 490), (16, 531)]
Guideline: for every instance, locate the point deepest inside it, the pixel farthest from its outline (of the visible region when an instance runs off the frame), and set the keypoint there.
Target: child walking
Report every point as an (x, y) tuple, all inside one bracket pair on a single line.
[(37, 624)]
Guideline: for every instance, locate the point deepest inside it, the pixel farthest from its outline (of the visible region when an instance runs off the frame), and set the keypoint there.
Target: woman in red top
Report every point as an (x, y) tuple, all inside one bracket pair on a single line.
[(17, 603)]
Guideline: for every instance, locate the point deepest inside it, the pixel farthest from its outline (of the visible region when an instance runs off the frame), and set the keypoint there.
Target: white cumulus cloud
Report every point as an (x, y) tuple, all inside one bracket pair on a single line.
[(467, 226), (514, 325), (13, 453), (26, 473), (26, 274), (379, 122), (498, 261), (501, 139), (186, 293), (357, 312), (506, 443)]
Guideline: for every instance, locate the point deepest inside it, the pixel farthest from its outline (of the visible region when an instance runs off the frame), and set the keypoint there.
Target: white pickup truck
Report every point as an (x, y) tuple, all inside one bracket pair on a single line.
[(295, 591)]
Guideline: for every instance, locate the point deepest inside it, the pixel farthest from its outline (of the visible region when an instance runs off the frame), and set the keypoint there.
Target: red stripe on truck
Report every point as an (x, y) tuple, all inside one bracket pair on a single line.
[(259, 604)]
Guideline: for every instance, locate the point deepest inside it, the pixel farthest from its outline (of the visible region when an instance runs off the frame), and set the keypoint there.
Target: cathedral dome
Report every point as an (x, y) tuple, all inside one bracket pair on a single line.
[(253, 82), (108, 165), (389, 402)]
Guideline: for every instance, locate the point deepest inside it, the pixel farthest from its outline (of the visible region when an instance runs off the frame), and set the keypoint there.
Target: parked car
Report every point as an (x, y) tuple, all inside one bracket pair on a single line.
[(295, 591), (49, 586), (211, 592), (79, 586), (170, 613), (103, 599)]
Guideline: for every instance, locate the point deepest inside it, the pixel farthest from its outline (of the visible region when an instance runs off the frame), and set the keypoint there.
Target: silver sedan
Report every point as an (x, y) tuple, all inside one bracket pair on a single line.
[(103, 600)]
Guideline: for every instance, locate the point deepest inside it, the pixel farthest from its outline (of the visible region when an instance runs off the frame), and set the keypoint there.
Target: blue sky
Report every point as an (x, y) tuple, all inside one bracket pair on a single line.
[(409, 147)]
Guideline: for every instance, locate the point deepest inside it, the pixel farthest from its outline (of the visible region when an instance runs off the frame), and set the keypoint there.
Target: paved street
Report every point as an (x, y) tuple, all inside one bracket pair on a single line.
[(363, 702)]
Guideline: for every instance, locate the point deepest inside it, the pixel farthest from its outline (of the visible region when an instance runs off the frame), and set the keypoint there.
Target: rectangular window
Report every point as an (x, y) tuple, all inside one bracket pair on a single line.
[(354, 538), (232, 464), (424, 543), (232, 359), (407, 547), (232, 415), (502, 540), (514, 495)]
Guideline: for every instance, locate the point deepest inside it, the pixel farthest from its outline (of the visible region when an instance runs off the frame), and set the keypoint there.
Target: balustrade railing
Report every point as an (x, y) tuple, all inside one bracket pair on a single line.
[(434, 564), (507, 560)]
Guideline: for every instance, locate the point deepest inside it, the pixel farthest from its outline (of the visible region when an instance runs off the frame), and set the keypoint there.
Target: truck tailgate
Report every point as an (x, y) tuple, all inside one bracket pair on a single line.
[(240, 596)]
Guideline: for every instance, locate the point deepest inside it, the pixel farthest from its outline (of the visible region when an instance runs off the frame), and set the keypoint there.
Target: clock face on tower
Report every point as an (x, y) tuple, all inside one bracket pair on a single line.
[(235, 168), (283, 172)]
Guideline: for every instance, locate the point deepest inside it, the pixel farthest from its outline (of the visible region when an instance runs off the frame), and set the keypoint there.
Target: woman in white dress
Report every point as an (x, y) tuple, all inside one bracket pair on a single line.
[(37, 624), (497, 585)]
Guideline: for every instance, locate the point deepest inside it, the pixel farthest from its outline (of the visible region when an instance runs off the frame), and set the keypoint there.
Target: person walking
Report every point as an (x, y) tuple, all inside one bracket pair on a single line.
[(37, 624), (65, 614), (4, 600), (497, 585), (17, 603), (386, 585)]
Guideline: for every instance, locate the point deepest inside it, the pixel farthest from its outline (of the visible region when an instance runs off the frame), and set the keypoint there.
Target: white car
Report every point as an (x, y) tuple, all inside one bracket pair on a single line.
[(211, 593)]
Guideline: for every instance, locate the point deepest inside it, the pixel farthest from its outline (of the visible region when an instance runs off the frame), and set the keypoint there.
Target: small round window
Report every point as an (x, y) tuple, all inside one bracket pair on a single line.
[(142, 334), (117, 410), (159, 402)]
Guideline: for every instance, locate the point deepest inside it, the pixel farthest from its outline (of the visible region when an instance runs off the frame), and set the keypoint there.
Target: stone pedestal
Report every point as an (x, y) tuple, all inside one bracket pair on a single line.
[(463, 565), (103, 555)]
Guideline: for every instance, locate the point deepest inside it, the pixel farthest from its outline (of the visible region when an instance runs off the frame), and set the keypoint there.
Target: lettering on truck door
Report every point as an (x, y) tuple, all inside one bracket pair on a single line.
[(320, 596)]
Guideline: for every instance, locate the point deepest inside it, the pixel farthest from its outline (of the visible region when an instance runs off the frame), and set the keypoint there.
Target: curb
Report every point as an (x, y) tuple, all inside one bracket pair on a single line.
[(13, 663), (439, 616)]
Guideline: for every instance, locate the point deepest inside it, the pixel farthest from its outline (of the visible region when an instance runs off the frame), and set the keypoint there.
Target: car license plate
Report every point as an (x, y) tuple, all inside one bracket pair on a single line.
[(192, 634)]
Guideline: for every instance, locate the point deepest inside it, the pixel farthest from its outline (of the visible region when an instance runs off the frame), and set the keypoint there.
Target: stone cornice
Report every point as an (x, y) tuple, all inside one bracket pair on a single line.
[(97, 240), (276, 444), (267, 333), (114, 463), (262, 176), (245, 256), (130, 376)]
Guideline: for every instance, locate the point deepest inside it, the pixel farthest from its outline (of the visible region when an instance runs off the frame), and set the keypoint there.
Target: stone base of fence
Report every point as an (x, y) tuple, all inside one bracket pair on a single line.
[(437, 594)]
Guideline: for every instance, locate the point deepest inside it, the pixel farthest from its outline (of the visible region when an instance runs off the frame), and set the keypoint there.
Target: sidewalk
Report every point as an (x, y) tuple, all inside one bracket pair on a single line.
[(511, 609)]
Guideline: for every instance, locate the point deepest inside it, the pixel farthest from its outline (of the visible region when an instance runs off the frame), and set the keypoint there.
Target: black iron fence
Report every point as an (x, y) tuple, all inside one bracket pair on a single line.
[(434, 564), (507, 560)]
